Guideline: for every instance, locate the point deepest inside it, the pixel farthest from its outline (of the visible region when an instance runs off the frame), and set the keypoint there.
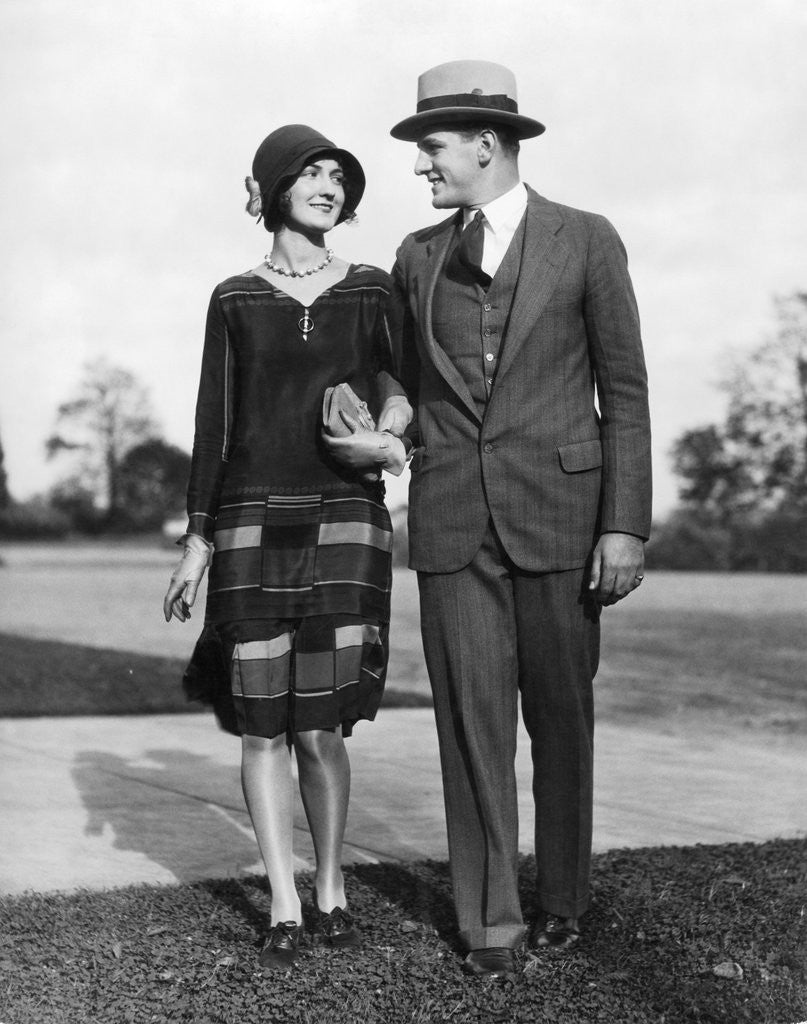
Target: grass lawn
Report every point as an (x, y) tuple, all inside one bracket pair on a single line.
[(727, 650), (724, 669), (46, 677), (676, 935)]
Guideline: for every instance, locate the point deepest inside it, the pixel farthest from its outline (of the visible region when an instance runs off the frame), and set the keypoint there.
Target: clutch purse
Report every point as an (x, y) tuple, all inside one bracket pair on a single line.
[(340, 406)]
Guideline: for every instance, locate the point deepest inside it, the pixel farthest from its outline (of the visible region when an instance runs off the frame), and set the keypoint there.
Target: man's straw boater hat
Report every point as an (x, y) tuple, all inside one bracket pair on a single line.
[(466, 92)]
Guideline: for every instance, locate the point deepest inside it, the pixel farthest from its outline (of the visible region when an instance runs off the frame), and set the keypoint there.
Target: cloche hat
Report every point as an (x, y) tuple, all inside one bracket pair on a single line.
[(464, 92), (286, 151)]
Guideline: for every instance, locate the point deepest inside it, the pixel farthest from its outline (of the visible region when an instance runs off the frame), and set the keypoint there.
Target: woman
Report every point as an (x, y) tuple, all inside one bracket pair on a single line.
[(301, 545)]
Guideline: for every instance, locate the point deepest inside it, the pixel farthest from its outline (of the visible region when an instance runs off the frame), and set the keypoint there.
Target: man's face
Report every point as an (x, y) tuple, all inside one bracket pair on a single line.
[(451, 165)]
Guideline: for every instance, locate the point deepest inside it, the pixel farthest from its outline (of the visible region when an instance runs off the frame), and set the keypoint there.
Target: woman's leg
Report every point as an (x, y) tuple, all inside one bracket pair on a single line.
[(324, 773), (269, 792)]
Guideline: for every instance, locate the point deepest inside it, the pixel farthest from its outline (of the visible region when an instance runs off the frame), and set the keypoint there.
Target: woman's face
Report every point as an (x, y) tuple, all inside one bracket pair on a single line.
[(315, 200)]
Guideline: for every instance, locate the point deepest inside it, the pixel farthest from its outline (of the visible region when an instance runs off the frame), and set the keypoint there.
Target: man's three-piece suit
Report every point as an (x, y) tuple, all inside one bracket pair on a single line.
[(517, 471)]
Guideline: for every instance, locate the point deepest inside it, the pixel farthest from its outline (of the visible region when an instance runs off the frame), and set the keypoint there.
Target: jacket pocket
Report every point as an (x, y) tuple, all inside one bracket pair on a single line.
[(580, 456)]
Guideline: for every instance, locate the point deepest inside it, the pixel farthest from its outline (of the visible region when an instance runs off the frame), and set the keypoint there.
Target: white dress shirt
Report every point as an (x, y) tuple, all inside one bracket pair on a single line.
[(502, 217)]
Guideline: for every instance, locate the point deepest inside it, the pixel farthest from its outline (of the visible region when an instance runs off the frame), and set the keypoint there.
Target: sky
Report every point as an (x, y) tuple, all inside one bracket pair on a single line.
[(127, 129)]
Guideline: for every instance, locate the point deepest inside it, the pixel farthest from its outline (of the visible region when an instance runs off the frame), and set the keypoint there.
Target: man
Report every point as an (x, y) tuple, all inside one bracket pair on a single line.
[(529, 497)]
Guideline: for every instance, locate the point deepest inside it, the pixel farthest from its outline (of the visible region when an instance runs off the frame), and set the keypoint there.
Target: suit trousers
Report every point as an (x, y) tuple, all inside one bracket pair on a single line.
[(490, 631)]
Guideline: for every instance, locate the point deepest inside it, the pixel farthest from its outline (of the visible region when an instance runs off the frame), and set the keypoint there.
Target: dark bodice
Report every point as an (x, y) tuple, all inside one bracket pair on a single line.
[(259, 408)]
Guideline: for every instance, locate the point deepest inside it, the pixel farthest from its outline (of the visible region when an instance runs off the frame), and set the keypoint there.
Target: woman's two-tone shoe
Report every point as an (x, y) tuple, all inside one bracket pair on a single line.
[(335, 928), (282, 946)]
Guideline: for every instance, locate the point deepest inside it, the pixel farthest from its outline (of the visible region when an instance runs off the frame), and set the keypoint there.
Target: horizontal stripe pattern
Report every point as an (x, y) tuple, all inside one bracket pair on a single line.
[(239, 537), (314, 674), (307, 554), (355, 533)]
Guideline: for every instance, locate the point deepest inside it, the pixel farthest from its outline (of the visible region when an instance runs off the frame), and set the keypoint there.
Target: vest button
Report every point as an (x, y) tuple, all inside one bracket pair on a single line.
[(488, 447), (489, 357), (487, 332)]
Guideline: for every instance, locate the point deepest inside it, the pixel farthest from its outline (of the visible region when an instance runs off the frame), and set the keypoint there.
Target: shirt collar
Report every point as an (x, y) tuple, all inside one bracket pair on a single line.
[(506, 210)]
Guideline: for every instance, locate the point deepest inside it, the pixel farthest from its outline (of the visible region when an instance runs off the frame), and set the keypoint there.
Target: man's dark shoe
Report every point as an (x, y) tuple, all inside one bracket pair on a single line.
[(282, 946), (335, 928), (491, 962), (556, 934)]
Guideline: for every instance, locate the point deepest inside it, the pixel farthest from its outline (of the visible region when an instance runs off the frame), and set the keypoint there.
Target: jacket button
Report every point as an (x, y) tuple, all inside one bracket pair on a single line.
[(488, 447)]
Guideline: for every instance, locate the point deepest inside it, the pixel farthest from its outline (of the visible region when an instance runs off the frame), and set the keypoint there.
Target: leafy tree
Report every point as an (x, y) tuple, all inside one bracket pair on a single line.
[(34, 519), (153, 478), (109, 416), (711, 478), (76, 502), (744, 481), (755, 463)]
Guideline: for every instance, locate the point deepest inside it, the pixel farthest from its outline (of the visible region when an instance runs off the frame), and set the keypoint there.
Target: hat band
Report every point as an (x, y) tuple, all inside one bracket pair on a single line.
[(499, 101)]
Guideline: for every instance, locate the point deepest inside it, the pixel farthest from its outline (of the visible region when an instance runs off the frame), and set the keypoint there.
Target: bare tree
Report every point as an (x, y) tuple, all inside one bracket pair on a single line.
[(109, 416)]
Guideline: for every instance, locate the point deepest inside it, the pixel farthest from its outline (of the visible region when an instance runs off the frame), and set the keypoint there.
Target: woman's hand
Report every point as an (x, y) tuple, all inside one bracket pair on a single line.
[(186, 578), (367, 451)]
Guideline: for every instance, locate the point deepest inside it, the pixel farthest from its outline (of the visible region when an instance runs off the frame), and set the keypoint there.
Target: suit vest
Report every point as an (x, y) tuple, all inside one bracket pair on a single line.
[(470, 324)]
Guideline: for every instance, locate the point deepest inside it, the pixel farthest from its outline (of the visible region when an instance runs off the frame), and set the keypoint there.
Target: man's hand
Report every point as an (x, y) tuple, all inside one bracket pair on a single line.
[(617, 566), (396, 415)]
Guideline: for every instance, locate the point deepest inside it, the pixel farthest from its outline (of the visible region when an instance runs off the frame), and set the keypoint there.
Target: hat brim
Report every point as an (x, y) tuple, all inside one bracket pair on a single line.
[(415, 127)]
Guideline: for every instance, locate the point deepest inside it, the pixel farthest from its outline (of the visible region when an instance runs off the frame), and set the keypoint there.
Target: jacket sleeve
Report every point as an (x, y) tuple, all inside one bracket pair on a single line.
[(615, 346), (214, 421), (387, 384), (403, 330)]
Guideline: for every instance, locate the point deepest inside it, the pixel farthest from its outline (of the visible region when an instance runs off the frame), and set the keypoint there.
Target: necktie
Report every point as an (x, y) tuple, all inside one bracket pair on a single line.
[(471, 247)]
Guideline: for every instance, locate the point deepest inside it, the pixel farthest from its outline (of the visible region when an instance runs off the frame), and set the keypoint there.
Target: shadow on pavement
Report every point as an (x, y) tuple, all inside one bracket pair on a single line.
[(149, 808)]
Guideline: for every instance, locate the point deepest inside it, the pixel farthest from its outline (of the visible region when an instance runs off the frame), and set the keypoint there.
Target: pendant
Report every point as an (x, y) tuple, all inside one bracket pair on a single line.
[(306, 325)]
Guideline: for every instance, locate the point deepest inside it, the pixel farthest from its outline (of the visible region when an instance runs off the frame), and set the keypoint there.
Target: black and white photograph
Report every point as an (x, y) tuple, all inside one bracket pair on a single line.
[(403, 512)]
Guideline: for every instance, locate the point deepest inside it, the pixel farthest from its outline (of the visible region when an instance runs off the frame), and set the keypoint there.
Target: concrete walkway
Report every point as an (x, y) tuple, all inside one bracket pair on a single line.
[(100, 802)]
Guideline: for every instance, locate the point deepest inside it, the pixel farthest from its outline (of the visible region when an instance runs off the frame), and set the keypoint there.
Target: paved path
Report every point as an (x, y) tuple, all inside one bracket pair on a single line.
[(100, 802)]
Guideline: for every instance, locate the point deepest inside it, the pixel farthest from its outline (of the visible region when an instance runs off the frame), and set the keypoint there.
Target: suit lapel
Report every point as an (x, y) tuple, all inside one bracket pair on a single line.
[(543, 258), (437, 249)]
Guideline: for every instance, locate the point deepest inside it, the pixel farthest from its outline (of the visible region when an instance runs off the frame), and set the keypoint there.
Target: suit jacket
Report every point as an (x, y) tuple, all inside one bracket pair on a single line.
[(550, 466)]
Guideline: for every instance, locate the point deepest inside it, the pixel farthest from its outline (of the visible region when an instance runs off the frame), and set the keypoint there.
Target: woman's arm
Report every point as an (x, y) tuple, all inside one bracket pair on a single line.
[(214, 423), (210, 447)]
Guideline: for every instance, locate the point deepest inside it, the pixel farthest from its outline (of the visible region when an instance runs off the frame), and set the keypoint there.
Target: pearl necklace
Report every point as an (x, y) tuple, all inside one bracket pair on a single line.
[(271, 265)]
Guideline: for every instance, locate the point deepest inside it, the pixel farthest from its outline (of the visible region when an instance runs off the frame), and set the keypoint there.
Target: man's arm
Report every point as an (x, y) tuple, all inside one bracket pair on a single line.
[(612, 324)]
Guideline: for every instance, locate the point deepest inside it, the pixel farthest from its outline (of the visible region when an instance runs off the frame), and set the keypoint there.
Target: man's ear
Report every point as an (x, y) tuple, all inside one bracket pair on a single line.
[(486, 146)]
